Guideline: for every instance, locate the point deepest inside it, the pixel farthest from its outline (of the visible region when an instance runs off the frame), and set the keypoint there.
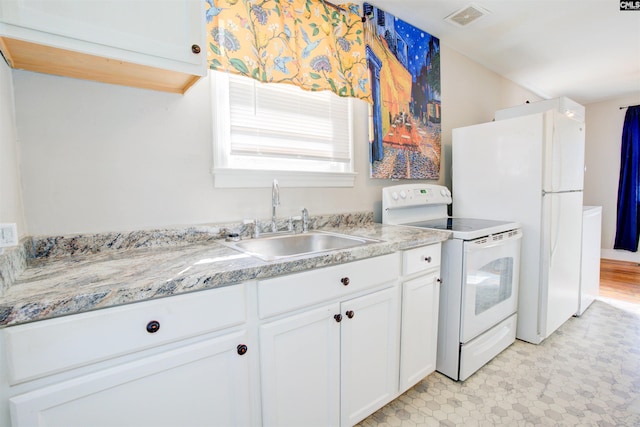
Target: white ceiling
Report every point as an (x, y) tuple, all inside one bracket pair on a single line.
[(587, 50)]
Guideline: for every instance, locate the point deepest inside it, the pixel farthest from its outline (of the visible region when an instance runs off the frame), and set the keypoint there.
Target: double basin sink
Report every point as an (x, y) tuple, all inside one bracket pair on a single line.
[(278, 246)]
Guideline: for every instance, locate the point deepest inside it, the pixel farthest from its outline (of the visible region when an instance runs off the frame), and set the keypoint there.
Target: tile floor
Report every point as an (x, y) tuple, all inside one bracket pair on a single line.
[(586, 374)]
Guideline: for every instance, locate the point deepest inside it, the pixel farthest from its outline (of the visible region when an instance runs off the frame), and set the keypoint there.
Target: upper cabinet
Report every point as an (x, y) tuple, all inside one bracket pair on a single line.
[(154, 45)]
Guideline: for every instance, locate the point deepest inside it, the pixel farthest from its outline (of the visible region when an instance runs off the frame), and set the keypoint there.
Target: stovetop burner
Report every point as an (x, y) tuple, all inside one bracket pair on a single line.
[(457, 224)]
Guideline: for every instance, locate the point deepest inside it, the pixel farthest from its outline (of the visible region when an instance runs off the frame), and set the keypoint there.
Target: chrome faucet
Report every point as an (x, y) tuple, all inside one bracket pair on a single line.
[(254, 225), (305, 220), (275, 202)]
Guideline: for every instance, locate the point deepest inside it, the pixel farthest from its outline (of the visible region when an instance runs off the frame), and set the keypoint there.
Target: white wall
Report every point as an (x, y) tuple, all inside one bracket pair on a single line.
[(99, 157), (11, 208), (604, 122), (471, 95)]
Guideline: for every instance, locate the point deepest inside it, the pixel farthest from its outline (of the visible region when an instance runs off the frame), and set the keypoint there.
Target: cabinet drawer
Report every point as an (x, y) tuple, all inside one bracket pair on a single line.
[(420, 259), (171, 388), (50, 346), (281, 294)]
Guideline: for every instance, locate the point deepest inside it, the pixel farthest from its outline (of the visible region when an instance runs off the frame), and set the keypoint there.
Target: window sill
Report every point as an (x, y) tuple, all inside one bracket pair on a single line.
[(247, 178)]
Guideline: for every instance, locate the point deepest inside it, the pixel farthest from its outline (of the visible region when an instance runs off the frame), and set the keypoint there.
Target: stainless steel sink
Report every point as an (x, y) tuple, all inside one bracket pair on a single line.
[(279, 246)]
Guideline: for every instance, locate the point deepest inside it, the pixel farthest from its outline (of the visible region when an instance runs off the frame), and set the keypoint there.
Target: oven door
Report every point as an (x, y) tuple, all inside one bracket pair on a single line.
[(490, 274)]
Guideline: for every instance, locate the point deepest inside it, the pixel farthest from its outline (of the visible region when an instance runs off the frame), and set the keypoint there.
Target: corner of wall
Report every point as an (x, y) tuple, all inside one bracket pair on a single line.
[(12, 206)]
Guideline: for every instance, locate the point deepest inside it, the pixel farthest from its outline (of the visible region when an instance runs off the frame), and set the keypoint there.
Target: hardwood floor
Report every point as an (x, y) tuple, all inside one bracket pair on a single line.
[(620, 280)]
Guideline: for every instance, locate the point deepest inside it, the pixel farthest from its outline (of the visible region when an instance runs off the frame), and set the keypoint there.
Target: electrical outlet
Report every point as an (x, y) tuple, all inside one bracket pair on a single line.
[(8, 235)]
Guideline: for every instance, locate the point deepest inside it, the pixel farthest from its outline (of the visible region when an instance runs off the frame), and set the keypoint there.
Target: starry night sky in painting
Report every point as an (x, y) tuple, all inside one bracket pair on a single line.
[(418, 45)]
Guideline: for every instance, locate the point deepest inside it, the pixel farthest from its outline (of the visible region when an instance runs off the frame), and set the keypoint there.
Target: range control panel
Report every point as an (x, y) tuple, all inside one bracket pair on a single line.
[(399, 196)]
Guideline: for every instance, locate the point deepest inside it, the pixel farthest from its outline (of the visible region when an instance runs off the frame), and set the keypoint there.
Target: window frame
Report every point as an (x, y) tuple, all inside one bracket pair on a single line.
[(226, 176)]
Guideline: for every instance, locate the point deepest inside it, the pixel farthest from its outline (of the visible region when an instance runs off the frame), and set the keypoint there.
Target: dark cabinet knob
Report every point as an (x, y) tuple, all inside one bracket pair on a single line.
[(439, 280), (195, 49), (345, 281), (350, 314), (153, 326), (427, 258), (242, 349), (338, 318)]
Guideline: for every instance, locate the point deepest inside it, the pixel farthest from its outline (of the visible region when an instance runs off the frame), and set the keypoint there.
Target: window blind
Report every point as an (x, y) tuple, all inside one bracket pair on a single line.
[(287, 122)]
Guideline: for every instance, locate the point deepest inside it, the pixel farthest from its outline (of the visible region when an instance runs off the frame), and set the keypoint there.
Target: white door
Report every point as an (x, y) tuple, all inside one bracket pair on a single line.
[(203, 384), (369, 343), (491, 269), (561, 262), (497, 170), (419, 336), (564, 153), (300, 365)]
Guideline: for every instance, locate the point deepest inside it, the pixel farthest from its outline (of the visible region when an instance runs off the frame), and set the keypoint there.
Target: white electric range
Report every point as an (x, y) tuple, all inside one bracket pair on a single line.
[(480, 275)]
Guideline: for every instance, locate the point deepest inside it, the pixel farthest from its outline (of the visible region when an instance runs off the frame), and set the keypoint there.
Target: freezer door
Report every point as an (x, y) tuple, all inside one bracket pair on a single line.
[(497, 169), (563, 153), (561, 248)]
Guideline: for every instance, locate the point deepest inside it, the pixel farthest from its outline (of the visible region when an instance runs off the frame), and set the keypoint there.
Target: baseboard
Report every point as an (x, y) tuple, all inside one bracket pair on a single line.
[(620, 255)]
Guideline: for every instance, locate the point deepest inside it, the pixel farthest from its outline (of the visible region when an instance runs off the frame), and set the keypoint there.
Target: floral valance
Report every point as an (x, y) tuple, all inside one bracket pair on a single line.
[(303, 42)]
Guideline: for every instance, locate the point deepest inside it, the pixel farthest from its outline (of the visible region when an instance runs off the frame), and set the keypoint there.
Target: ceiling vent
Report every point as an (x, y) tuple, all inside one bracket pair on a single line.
[(466, 15)]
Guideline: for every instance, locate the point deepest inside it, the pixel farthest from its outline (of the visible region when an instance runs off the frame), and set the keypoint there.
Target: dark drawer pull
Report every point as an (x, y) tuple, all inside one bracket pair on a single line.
[(427, 258), (153, 326), (350, 314), (338, 318), (345, 281), (242, 349)]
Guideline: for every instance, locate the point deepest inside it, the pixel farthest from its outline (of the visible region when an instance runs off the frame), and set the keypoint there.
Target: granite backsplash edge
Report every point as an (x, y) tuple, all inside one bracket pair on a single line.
[(13, 261)]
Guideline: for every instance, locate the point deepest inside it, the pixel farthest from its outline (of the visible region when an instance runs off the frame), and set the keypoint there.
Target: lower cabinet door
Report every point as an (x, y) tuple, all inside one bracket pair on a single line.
[(419, 337), (370, 334), (300, 357), (202, 384)]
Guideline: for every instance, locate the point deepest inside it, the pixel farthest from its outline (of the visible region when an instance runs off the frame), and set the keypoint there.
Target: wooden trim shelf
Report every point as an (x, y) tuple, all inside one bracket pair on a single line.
[(50, 60)]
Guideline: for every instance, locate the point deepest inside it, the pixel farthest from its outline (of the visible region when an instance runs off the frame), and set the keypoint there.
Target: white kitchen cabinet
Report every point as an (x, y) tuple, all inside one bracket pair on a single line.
[(336, 362), (420, 306), (40, 349), (300, 366), (333, 365), (185, 360), (369, 349), (157, 45), (420, 302), (327, 346), (206, 383)]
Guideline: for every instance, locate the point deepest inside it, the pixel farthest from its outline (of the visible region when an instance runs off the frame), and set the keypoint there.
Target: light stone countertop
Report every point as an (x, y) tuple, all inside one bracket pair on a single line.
[(57, 286)]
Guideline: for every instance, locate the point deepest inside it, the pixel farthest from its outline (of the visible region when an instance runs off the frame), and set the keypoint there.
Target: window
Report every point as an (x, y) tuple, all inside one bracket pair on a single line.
[(265, 131)]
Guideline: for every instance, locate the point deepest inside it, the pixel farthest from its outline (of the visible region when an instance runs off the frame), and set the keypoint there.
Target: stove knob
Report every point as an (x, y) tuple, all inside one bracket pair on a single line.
[(394, 195), (403, 194)]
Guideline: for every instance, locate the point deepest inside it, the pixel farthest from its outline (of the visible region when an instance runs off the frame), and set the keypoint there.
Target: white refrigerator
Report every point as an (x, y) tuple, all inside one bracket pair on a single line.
[(528, 166)]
